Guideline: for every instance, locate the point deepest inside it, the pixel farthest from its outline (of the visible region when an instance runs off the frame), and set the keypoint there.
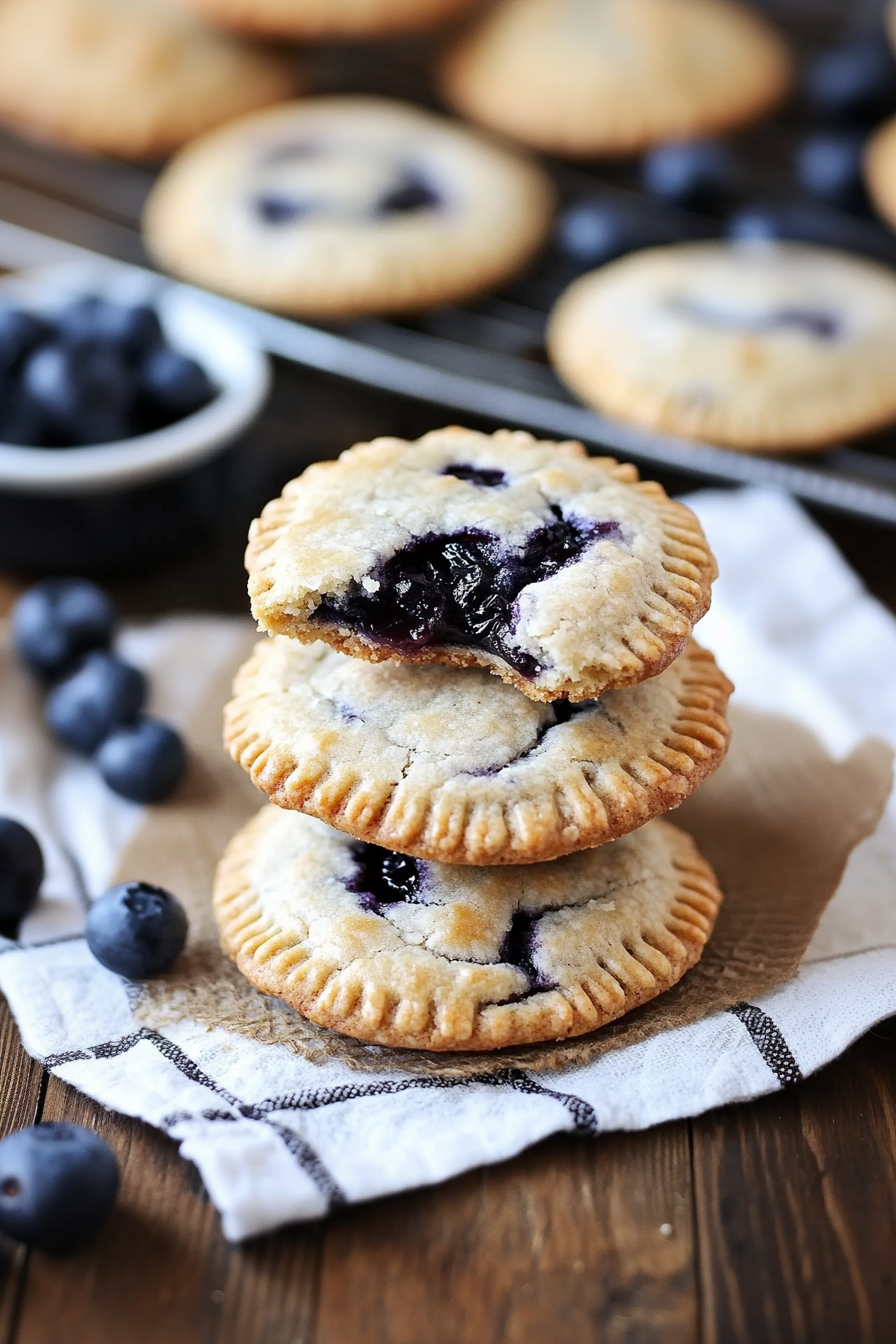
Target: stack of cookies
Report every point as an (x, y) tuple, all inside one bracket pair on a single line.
[(480, 693)]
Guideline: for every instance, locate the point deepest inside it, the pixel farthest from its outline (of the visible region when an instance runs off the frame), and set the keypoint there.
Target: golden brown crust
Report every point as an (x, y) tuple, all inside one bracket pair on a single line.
[(414, 1002), (615, 624), (688, 339), (325, 20), (131, 80), (880, 161), (615, 77), (411, 785), (344, 258)]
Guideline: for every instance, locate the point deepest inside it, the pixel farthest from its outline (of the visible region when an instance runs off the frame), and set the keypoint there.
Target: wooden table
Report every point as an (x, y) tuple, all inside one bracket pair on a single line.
[(782, 1212)]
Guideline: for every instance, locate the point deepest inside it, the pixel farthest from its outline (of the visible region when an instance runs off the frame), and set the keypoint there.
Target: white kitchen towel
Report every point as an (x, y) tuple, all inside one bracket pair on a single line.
[(279, 1138)]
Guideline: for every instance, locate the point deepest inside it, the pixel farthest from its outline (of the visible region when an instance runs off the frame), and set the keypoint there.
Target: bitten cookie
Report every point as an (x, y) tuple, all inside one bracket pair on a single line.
[(325, 19), (757, 346), (606, 77), (400, 952), (338, 207), (135, 80), (563, 574), (460, 768)]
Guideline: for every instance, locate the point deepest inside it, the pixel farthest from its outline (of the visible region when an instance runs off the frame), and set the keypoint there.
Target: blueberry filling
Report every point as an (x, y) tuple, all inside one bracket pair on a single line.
[(275, 209), (463, 471), (564, 710), (382, 877), (822, 325), (410, 194), (461, 589), (518, 949)]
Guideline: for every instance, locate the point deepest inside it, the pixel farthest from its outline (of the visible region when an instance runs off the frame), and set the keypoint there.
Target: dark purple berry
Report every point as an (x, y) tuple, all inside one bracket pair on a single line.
[(21, 420), (829, 166), (855, 81), (101, 693), (21, 873), (818, 224), (175, 383), (142, 761), (20, 332), (599, 229), (81, 390), (57, 620), (136, 930), (694, 174), (58, 1184)]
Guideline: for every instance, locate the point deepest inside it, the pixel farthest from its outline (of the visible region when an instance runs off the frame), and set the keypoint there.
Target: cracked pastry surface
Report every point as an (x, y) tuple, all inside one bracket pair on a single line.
[(461, 768), (757, 346), (565, 575), (347, 206), (606, 77), (400, 952), (136, 79)]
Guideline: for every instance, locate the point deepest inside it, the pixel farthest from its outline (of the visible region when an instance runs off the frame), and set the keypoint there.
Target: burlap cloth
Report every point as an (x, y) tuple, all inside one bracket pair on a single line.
[(777, 822)]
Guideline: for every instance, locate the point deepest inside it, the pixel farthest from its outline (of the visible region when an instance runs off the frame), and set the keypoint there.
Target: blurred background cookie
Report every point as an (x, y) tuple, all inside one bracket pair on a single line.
[(338, 207), (612, 77), (765, 346), (317, 19), (134, 80)]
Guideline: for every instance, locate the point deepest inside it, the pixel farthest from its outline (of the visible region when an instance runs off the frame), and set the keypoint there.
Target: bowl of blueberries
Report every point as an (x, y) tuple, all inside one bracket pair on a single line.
[(119, 392)]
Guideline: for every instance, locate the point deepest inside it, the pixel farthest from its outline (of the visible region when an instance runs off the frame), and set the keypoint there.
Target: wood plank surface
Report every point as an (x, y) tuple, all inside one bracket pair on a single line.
[(160, 1272), (21, 1082), (593, 1236), (796, 1206)]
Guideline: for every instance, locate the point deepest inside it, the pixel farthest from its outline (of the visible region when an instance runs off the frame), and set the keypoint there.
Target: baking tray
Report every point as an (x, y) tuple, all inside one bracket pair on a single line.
[(486, 359)]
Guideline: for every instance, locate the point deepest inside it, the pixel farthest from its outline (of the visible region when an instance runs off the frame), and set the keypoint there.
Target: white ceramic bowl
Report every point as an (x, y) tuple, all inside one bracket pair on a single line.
[(192, 325)]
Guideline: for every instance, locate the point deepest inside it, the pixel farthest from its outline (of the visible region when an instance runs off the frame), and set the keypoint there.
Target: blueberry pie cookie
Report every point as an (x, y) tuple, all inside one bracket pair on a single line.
[(757, 346), (134, 79), (338, 207), (563, 574), (328, 19), (604, 77), (400, 952), (459, 767), (880, 165)]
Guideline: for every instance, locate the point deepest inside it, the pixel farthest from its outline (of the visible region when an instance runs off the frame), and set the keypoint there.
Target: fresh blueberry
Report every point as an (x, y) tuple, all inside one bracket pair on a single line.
[(135, 329), (57, 620), (21, 872), (693, 174), (142, 761), (818, 224), (21, 420), (81, 390), (829, 166), (177, 384), (20, 332), (58, 1183), (855, 81), (598, 229), (136, 930), (101, 693), (80, 322)]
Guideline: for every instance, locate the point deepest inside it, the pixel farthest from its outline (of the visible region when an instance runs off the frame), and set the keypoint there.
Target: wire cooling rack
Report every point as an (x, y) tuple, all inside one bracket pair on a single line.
[(485, 359)]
